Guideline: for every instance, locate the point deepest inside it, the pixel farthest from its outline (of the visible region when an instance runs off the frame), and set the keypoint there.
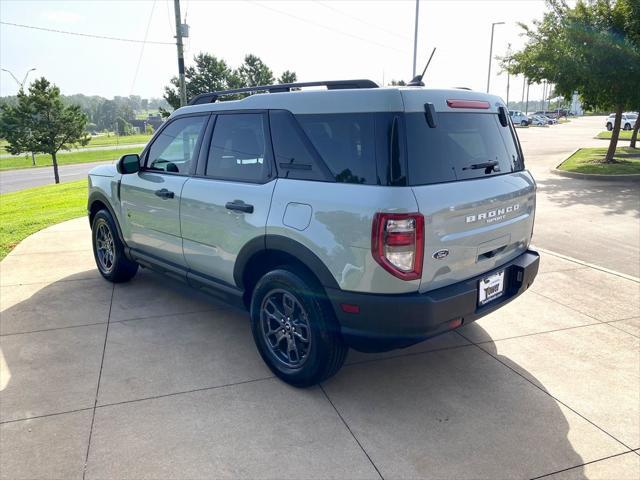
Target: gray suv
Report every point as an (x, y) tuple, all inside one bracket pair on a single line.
[(350, 216)]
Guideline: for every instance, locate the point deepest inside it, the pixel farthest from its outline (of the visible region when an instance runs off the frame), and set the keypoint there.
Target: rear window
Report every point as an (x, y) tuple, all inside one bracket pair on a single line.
[(460, 141)]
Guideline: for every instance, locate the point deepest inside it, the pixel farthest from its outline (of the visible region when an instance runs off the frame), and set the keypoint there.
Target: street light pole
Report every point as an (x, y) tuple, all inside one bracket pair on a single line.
[(183, 89), (20, 84), (493, 25), (415, 39)]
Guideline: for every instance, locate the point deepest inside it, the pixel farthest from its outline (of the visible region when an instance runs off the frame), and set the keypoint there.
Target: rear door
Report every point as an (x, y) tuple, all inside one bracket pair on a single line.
[(226, 204), (468, 178), (151, 198)]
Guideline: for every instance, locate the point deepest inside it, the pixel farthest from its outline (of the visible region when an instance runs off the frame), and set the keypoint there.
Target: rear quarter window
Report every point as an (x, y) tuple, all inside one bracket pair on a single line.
[(448, 152), (346, 143)]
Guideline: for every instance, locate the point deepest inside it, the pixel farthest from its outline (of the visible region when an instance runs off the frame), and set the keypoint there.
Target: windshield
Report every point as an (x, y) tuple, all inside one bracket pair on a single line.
[(462, 146)]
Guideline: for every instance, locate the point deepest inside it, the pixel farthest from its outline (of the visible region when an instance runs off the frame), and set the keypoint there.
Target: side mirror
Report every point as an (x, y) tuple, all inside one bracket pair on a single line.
[(129, 164)]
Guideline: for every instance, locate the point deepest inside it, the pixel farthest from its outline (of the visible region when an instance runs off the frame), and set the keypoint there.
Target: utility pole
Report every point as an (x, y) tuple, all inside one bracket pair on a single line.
[(183, 88), (527, 106), (493, 26), (524, 82), (415, 39)]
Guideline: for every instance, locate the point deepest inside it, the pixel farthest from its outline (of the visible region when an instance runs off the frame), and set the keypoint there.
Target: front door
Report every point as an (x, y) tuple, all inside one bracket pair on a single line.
[(151, 198)]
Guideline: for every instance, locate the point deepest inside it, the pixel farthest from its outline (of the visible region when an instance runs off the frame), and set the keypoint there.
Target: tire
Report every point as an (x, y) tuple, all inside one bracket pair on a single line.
[(524, 123), (627, 126), (108, 250), (288, 309), (609, 127)]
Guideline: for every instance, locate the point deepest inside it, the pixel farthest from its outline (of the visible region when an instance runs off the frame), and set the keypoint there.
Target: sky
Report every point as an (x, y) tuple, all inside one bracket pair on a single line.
[(318, 39)]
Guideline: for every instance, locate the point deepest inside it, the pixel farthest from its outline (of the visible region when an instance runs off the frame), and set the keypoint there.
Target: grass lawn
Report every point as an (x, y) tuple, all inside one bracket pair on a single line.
[(102, 141), (68, 158), (589, 160), (27, 211), (624, 135)]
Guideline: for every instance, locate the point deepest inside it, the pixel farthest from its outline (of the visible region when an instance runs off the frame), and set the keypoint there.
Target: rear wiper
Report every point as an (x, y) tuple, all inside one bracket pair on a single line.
[(488, 166)]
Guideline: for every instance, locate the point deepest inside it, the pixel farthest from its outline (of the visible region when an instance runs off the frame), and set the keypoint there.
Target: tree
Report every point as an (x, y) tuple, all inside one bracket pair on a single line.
[(254, 72), (210, 74), (42, 123), (288, 77), (397, 83), (593, 49)]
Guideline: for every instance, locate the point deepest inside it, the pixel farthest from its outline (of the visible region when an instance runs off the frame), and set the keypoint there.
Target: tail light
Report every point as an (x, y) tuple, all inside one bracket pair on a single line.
[(397, 243)]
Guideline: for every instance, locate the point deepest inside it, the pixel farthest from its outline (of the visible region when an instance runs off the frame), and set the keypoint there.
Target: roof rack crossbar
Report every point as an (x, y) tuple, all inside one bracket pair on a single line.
[(283, 87)]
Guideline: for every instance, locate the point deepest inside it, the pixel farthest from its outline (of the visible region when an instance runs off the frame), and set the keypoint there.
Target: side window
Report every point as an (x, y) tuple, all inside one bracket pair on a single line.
[(173, 150), (346, 143), (294, 156), (238, 148)]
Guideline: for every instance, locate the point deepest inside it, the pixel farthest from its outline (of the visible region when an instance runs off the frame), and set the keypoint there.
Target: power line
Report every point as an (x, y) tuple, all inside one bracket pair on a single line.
[(364, 22), (90, 35), (335, 30), (146, 32)]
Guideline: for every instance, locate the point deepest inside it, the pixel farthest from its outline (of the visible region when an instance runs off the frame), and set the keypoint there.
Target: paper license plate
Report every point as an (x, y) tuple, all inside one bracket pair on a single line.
[(490, 288)]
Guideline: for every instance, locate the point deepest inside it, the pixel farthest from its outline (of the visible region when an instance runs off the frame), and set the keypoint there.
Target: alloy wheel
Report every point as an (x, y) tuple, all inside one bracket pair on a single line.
[(105, 247), (284, 325)]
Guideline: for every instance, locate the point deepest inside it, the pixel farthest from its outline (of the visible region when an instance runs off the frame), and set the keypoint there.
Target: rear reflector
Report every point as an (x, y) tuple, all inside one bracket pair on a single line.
[(455, 323), (477, 104), (349, 308)]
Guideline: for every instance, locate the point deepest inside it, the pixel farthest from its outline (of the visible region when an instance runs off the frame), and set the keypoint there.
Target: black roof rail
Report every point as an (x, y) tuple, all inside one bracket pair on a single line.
[(284, 87)]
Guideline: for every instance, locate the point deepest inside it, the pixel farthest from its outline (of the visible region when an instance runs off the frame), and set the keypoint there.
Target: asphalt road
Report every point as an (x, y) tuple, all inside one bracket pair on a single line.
[(597, 222), (101, 147), (14, 180)]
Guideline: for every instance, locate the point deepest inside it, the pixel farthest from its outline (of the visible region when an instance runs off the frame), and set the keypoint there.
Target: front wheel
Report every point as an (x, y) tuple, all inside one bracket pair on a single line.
[(108, 250), (524, 123), (295, 329), (609, 127), (627, 126)]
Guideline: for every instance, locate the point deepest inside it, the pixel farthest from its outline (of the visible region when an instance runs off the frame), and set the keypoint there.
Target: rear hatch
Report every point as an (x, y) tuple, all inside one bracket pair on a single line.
[(468, 177)]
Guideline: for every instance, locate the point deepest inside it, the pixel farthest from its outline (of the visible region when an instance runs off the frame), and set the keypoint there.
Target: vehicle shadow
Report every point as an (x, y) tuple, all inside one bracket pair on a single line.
[(452, 413), (614, 198)]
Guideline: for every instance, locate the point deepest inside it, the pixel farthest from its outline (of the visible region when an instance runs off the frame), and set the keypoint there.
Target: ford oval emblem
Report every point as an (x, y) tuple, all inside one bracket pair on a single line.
[(440, 254)]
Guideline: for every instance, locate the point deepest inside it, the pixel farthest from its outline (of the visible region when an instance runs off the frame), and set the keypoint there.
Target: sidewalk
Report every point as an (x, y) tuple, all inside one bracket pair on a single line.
[(150, 379)]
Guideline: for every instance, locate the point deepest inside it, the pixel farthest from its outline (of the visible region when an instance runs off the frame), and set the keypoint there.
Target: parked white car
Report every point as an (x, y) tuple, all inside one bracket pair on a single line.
[(628, 120), (519, 118)]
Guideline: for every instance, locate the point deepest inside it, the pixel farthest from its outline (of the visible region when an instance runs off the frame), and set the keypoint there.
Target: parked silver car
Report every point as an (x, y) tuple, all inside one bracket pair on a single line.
[(356, 216)]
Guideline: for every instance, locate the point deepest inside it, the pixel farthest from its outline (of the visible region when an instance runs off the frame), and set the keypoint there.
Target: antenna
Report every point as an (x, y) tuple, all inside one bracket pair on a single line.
[(417, 80)]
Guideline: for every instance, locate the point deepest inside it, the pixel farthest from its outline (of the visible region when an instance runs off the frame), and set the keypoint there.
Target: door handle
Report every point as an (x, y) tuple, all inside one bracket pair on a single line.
[(164, 193), (239, 206)]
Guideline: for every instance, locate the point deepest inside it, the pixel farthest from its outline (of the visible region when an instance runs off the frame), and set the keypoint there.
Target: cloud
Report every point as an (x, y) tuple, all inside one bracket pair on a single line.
[(61, 16)]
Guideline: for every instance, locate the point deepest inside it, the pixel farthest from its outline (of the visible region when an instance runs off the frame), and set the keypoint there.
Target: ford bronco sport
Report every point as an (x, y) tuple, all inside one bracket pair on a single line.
[(351, 216)]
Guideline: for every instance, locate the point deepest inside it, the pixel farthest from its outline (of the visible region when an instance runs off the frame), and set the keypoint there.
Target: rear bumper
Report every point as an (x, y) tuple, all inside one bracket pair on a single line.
[(386, 322)]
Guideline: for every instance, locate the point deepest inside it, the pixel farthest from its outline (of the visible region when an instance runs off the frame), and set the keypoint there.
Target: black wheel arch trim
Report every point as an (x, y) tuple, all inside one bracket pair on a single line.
[(98, 196), (280, 243)]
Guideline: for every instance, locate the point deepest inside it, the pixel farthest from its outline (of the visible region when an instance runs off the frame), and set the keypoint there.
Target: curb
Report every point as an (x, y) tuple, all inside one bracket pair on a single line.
[(631, 177)]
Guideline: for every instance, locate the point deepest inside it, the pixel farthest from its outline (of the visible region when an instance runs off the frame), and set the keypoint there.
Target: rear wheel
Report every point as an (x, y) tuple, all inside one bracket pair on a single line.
[(108, 250), (609, 126), (295, 329), (627, 126)]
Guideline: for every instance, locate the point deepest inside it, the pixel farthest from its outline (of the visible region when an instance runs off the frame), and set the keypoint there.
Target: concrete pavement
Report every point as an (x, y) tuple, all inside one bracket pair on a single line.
[(150, 379)]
